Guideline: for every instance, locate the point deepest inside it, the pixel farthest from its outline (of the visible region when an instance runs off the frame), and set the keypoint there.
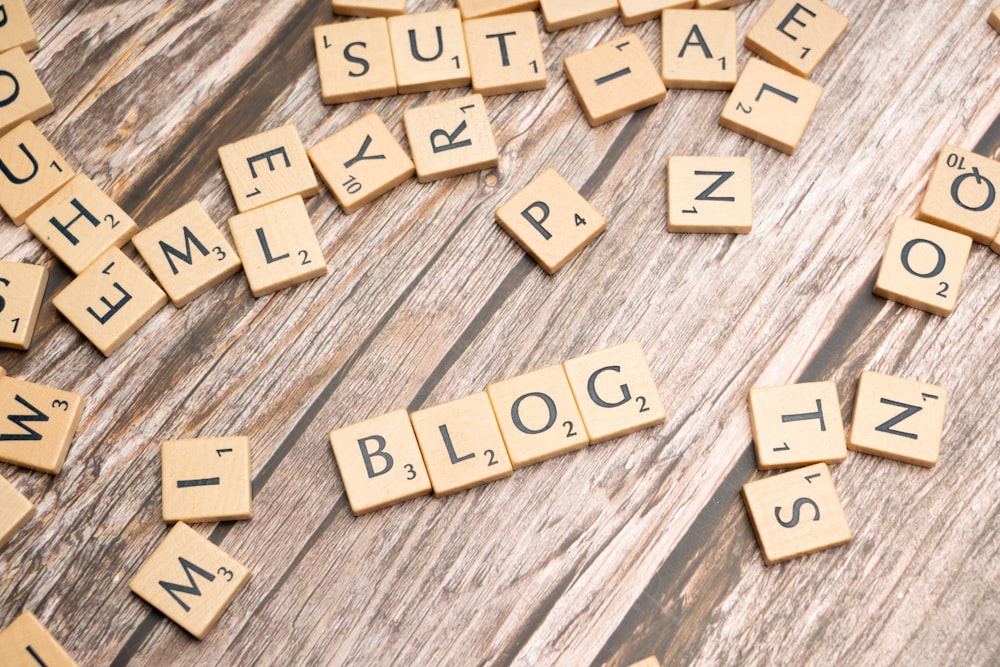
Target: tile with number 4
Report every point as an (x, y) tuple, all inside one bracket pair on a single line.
[(797, 424), (32, 170), (709, 194), (450, 138), (962, 194), (267, 167), (26, 643), (796, 34), (206, 479), (37, 424), (15, 511), (22, 287)]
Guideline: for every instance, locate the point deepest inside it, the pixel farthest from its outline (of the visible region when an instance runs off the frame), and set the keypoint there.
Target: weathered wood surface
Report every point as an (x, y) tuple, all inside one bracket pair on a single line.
[(634, 547)]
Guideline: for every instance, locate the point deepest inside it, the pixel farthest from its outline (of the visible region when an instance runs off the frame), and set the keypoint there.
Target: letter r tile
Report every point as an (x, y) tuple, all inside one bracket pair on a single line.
[(797, 424), (796, 34), (450, 138)]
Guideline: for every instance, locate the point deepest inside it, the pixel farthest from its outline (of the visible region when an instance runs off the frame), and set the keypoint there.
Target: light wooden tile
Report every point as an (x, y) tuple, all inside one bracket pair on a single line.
[(923, 266), (962, 194), (796, 513), (450, 138), (995, 246), (709, 194), (15, 27), (538, 416), (26, 643), (615, 391), (206, 479), (797, 424), (461, 444), (428, 50), (355, 60), (771, 106), (559, 14), (651, 661), (22, 287), (505, 53), (37, 424), (278, 246), (994, 19), (267, 167), (699, 49), (24, 96), (898, 418), (637, 11), (472, 9), (550, 220), (361, 162), (717, 4), (380, 462), (79, 222), (189, 579), (369, 7), (614, 79), (796, 34), (30, 170), (15, 511), (187, 253), (110, 300)]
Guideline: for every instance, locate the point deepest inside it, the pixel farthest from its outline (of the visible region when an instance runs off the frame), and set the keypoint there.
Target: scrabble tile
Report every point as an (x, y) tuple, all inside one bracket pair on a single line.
[(277, 245), (923, 266), (995, 246), (771, 106), (796, 34), (615, 391), (31, 170), (614, 79), (380, 462), (550, 220), (23, 96), (15, 511), (79, 222), (110, 300), (962, 194), (994, 19), (428, 50), (898, 418), (189, 579), (559, 14), (21, 289), (361, 162), (15, 27), (796, 513), (637, 11), (651, 661), (717, 4), (472, 9), (505, 53), (538, 416), (26, 643), (267, 167), (37, 424), (461, 444), (369, 7), (797, 424), (187, 253), (450, 138), (355, 60), (699, 49), (206, 479), (709, 194)]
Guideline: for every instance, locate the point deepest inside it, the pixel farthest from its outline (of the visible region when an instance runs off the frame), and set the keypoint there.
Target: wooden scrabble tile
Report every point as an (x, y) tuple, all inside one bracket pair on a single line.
[(15, 511), (461, 444), (550, 220), (361, 162), (21, 289), (428, 50), (559, 14), (472, 9), (898, 418), (699, 49), (796, 513), (110, 300), (614, 79), (380, 462), (24, 96), (505, 53), (771, 106), (796, 425), (637, 11), (267, 167), (651, 661), (450, 138), (538, 416), (26, 643), (962, 194), (37, 424), (79, 222), (187, 253), (355, 60), (369, 7), (709, 194), (796, 34), (206, 479), (15, 27), (923, 266), (32, 170), (189, 579), (994, 19), (995, 246), (615, 391), (277, 245), (717, 4)]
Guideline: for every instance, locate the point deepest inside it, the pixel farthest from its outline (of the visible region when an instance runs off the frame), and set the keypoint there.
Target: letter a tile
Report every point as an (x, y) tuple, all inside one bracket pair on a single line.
[(267, 167), (206, 479), (450, 138), (30, 170), (797, 424), (962, 194), (15, 511), (428, 50), (699, 49), (21, 289), (26, 643), (26, 98), (37, 424), (709, 194), (796, 34), (355, 60)]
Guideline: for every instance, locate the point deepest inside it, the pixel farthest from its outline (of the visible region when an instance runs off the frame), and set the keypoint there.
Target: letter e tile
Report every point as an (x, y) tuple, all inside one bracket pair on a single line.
[(796, 34), (267, 167), (797, 424)]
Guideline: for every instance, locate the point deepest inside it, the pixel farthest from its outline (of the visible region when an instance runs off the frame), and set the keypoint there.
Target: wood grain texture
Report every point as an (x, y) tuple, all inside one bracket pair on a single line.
[(634, 547)]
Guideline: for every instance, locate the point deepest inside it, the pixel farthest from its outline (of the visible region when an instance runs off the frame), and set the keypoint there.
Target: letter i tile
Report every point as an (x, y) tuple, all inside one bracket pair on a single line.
[(26, 643), (206, 479)]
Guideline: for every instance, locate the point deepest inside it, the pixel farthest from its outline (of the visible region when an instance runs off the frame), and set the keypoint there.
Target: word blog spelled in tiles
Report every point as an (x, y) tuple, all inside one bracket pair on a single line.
[(487, 435)]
